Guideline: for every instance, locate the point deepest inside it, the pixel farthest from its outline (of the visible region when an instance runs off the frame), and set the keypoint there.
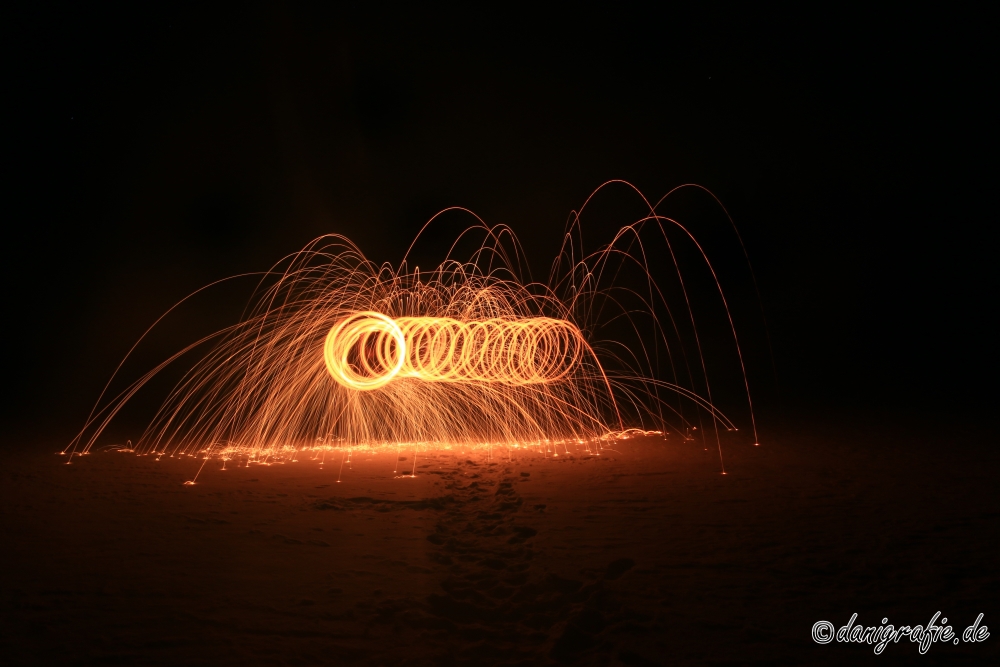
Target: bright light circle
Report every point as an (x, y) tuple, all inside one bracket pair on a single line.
[(365, 351)]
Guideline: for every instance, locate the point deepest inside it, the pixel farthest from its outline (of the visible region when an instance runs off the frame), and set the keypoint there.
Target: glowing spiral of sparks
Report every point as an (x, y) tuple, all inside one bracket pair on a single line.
[(336, 351), (377, 347), (368, 350)]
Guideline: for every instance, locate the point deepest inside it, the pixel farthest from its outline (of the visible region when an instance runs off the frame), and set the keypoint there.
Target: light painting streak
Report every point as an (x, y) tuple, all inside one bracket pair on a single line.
[(337, 352)]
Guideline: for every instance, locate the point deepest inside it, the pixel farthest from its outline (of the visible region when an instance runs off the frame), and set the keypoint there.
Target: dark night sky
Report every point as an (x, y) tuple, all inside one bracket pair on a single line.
[(152, 151)]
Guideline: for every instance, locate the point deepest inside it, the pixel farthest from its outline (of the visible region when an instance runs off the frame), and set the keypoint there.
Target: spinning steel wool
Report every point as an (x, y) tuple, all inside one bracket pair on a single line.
[(338, 352), (440, 349)]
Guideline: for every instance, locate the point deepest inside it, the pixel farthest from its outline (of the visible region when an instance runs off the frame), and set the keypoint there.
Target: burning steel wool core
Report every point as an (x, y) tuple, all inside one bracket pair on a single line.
[(367, 350), (335, 351)]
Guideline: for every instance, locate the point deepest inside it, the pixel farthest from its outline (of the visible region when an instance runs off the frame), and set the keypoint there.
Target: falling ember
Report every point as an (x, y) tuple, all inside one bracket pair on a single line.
[(337, 352)]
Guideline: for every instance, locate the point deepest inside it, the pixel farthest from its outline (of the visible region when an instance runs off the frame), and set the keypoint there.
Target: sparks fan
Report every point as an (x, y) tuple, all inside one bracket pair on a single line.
[(337, 351)]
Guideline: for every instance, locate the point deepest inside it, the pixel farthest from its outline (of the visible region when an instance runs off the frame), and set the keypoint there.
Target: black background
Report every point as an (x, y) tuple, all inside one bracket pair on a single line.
[(154, 149)]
